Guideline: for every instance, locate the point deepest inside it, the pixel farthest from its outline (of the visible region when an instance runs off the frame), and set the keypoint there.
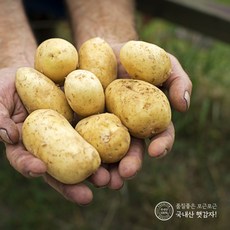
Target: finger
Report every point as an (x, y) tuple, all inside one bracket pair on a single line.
[(8, 129), (24, 162), (116, 181), (132, 162), (100, 178), (179, 86), (162, 143), (77, 193)]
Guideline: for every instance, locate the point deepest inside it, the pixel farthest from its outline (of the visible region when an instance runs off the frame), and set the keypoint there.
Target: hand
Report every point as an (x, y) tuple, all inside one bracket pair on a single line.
[(12, 115), (179, 87)]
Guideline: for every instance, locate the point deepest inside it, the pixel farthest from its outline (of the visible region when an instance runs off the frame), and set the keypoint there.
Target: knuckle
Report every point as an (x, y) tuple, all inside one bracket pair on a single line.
[(19, 162)]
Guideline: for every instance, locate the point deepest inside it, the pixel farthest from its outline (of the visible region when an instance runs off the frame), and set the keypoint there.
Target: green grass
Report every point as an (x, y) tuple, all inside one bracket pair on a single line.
[(227, 2), (196, 171)]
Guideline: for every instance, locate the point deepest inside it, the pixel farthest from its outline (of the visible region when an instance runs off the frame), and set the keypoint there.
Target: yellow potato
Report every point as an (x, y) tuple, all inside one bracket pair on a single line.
[(142, 107), (97, 56), (146, 61), (56, 58), (49, 136), (107, 134), (84, 93), (38, 92)]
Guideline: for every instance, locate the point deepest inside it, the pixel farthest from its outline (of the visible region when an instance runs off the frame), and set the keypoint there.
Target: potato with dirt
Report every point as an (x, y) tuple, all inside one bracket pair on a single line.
[(37, 91), (107, 134), (50, 137), (56, 58), (142, 107), (146, 61), (84, 93), (97, 56)]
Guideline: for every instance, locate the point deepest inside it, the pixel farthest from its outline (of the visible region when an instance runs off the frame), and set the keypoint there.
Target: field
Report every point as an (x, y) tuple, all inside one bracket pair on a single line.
[(196, 172)]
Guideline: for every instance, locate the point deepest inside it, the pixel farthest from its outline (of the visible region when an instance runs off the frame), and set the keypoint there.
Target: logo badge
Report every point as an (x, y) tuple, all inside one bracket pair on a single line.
[(164, 211)]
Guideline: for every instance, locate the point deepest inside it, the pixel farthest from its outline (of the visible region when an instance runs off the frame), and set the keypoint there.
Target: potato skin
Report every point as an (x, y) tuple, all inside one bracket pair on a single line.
[(145, 61), (97, 56), (38, 92), (84, 93), (142, 107), (107, 134), (56, 58), (49, 136)]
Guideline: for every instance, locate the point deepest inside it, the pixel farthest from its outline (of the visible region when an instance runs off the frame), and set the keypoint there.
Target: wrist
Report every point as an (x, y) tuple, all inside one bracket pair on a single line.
[(23, 56), (17, 46), (94, 19)]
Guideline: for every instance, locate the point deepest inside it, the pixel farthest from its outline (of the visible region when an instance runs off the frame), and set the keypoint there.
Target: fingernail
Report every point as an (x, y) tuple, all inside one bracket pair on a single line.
[(4, 136), (162, 154), (187, 99), (99, 186), (31, 174), (82, 205), (131, 177)]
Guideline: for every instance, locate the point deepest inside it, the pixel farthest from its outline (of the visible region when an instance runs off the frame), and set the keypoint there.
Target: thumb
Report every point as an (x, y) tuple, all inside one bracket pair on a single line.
[(179, 86), (8, 129)]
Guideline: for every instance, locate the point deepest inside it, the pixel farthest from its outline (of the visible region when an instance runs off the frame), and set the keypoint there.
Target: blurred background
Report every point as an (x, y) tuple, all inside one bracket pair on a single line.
[(195, 172)]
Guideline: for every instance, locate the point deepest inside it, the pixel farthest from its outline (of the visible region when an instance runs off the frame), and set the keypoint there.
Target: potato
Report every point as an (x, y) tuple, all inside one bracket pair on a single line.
[(49, 136), (56, 58), (84, 93), (142, 107), (38, 92), (97, 56), (107, 134), (146, 61)]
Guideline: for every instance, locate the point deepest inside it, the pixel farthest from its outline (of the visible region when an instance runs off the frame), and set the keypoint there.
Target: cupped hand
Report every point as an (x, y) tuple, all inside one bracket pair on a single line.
[(12, 115), (12, 112), (179, 89)]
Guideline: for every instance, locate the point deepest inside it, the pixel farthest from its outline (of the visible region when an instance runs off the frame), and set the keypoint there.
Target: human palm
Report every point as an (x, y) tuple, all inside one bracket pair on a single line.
[(12, 115)]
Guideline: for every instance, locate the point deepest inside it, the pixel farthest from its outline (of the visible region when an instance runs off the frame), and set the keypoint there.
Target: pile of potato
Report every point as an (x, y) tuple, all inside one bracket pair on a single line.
[(80, 114)]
